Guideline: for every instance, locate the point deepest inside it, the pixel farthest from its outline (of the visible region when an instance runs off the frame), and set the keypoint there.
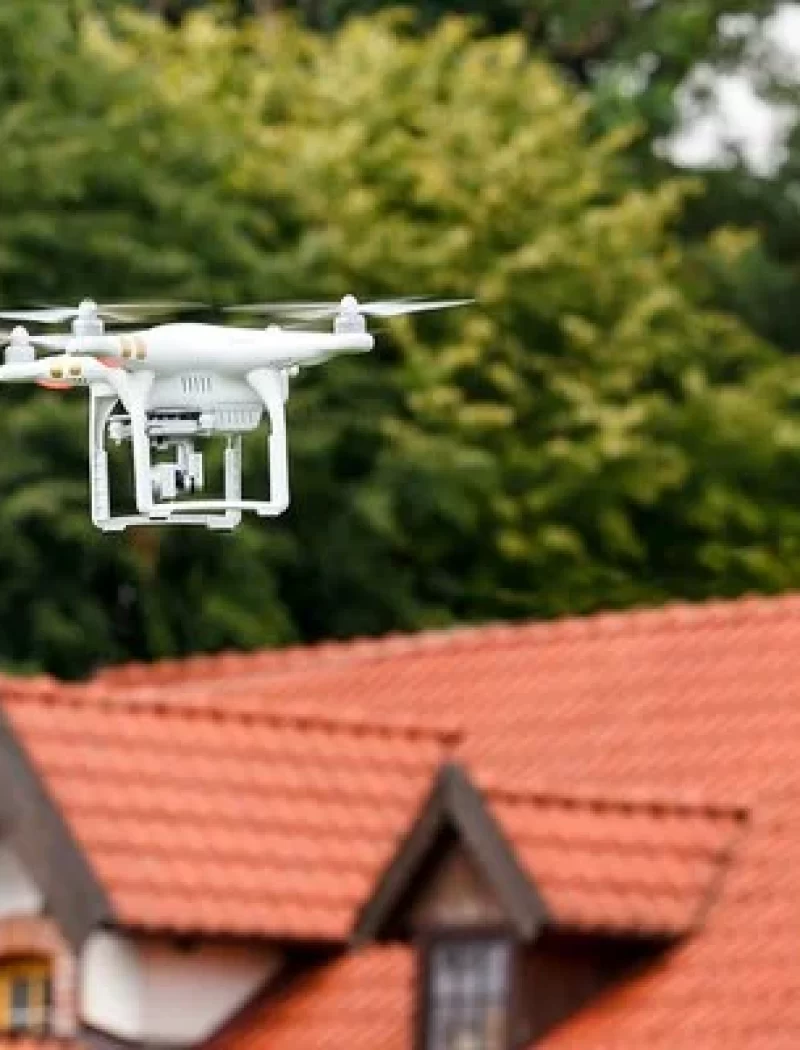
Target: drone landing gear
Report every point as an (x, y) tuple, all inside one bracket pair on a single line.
[(157, 485), (162, 479), (269, 385)]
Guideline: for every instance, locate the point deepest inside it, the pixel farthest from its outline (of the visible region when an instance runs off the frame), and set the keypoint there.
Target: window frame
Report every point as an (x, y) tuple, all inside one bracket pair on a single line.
[(429, 939), (35, 975)]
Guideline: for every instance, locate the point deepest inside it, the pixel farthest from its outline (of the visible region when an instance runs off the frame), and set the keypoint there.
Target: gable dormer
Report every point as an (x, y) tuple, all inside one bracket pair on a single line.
[(516, 916)]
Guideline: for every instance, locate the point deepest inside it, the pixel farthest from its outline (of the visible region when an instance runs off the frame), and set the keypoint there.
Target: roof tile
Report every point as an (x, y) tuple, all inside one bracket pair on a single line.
[(620, 754), (200, 821)]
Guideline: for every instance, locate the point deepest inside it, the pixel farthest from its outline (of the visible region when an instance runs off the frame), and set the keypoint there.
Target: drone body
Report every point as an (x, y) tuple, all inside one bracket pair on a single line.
[(164, 388)]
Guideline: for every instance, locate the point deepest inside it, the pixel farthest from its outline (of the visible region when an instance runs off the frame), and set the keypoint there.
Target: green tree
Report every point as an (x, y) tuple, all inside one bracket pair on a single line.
[(105, 190), (637, 60), (593, 433), (633, 54), (590, 436)]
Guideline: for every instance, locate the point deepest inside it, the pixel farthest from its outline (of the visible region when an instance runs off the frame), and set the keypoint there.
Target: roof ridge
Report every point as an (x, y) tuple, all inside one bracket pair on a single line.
[(32, 685), (631, 799), (353, 720), (672, 616)]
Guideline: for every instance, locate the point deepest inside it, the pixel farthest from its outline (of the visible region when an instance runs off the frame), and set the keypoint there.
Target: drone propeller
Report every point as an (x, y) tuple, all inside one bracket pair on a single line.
[(53, 343), (21, 337), (123, 313), (319, 311)]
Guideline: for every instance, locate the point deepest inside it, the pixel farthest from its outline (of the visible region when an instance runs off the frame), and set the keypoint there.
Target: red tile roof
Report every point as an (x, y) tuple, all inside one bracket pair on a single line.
[(608, 867), (687, 703), (688, 710), (359, 1002), (197, 819), (30, 1042)]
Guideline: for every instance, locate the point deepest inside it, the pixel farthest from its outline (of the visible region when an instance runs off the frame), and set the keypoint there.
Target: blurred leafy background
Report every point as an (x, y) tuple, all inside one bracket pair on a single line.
[(615, 423)]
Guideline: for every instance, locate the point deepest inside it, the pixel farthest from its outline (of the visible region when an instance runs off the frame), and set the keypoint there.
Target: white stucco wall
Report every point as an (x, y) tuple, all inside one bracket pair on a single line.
[(19, 894), (110, 985), (151, 990)]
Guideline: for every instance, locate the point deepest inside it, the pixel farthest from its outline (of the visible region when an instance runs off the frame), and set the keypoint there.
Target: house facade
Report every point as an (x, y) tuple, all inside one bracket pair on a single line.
[(579, 834)]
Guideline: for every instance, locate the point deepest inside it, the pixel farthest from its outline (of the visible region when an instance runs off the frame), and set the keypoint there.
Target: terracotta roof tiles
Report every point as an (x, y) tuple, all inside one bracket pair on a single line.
[(620, 753), (201, 823), (361, 1002), (695, 706), (625, 868), (29, 1042)]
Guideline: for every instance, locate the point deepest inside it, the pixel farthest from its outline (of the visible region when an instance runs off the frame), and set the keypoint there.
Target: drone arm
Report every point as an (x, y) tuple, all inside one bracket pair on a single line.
[(65, 369), (24, 372), (43, 370)]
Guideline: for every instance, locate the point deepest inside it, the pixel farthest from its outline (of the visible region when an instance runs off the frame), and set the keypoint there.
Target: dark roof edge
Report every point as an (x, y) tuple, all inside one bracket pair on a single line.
[(397, 877), (40, 836), (454, 801), (481, 832)]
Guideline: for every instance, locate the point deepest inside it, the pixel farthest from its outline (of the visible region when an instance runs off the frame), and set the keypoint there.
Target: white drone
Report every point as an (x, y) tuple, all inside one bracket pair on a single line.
[(164, 387)]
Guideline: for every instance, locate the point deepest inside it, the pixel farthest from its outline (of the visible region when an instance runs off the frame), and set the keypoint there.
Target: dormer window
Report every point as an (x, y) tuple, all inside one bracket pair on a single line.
[(467, 992), (499, 965), (25, 995)]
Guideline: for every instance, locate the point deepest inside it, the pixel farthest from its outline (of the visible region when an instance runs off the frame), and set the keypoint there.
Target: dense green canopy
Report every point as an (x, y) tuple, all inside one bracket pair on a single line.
[(632, 53), (594, 433)]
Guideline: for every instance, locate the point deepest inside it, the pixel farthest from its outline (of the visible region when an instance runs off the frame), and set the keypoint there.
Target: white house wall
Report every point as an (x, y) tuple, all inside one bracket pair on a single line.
[(19, 895), (111, 985), (149, 990)]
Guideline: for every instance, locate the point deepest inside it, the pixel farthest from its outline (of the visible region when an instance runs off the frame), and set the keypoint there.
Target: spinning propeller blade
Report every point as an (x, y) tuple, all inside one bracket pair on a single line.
[(51, 342), (319, 311), (123, 313), (47, 342)]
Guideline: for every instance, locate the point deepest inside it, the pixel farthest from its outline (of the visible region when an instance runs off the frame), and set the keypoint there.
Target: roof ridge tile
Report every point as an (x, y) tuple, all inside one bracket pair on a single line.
[(630, 799), (354, 721)]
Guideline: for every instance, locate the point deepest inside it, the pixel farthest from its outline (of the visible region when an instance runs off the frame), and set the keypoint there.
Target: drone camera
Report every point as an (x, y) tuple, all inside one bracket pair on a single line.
[(184, 475)]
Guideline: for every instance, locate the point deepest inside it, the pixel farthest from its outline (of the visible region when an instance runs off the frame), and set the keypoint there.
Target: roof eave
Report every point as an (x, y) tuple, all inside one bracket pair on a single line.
[(39, 834)]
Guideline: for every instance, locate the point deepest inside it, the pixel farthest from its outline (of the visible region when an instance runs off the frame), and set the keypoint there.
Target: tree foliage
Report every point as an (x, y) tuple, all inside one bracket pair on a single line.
[(632, 54), (593, 433), (641, 63)]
